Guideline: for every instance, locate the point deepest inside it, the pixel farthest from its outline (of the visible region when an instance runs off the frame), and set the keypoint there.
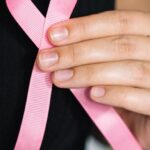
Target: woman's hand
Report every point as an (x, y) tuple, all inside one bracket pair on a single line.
[(109, 52)]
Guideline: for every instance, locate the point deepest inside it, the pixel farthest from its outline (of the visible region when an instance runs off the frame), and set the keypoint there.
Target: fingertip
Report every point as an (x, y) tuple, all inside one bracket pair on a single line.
[(38, 65), (38, 62), (46, 59), (97, 92), (58, 35)]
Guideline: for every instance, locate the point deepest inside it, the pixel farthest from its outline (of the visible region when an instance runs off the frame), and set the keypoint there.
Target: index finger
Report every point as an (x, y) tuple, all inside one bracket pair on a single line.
[(100, 25)]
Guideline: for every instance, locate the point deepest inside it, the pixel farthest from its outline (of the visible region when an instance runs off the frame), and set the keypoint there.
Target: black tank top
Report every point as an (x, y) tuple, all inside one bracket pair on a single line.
[(68, 125)]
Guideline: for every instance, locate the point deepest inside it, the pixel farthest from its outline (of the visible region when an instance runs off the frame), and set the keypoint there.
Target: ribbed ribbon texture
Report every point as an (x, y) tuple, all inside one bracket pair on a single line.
[(34, 121)]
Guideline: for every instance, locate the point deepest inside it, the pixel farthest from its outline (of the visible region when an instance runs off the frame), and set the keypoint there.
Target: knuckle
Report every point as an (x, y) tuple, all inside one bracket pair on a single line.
[(139, 72), (124, 20), (89, 74), (82, 28), (93, 74), (74, 55), (124, 46)]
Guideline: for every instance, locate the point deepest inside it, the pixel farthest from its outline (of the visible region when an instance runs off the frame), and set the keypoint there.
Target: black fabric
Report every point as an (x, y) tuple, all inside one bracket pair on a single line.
[(68, 125)]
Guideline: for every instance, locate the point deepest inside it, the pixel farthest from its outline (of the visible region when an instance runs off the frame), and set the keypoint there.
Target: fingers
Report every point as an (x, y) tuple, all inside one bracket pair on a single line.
[(100, 25), (126, 73), (95, 51), (133, 99)]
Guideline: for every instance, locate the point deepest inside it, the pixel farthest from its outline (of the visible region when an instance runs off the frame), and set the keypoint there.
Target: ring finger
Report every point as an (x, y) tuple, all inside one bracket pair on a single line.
[(128, 73)]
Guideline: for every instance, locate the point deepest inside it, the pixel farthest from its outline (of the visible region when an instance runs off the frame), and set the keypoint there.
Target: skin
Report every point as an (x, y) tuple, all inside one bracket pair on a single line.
[(138, 5), (110, 53)]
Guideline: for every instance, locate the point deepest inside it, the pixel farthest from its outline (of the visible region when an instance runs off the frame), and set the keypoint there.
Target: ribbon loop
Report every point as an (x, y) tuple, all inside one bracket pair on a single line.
[(38, 100)]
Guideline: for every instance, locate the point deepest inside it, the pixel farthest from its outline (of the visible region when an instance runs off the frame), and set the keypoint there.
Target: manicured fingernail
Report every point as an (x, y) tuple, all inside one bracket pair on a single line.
[(46, 60), (98, 91), (63, 75), (59, 34)]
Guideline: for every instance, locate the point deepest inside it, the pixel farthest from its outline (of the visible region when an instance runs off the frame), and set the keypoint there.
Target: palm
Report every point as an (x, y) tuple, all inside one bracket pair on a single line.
[(139, 125)]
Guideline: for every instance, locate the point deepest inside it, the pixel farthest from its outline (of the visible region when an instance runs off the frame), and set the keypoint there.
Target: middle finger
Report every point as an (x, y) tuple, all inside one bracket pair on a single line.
[(95, 51)]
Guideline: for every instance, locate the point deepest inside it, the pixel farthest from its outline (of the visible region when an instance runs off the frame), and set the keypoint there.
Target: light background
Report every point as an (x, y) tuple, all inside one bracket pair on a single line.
[(93, 144)]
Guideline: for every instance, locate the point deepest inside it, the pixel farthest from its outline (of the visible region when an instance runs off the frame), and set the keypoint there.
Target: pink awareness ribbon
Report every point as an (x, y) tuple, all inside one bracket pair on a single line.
[(34, 121)]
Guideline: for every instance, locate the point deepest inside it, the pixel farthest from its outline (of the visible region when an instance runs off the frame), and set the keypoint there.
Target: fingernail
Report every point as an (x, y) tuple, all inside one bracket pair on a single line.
[(59, 34), (46, 60), (63, 75), (98, 91)]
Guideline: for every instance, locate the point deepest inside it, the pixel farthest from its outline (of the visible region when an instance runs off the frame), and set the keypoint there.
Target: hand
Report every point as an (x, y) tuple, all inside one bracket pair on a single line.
[(109, 52)]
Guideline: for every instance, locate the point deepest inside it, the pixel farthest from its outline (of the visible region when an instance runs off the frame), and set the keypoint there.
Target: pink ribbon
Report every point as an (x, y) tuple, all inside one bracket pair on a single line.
[(38, 99)]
